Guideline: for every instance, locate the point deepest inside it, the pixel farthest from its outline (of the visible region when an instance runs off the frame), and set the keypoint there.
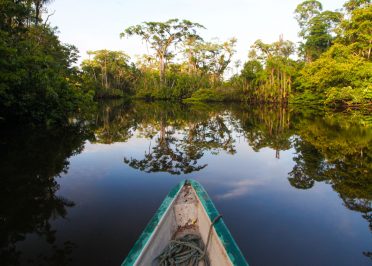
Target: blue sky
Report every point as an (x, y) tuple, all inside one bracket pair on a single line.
[(94, 24)]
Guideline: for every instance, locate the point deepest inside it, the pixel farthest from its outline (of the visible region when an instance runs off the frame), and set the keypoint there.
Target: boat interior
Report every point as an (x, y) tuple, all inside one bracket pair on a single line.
[(185, 215)]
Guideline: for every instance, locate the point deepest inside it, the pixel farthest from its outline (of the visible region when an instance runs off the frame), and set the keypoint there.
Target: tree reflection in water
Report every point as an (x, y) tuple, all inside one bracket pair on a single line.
[(178, 150), (339, 154), (181, 137), (30, 161), (329, 147), (266, 127)]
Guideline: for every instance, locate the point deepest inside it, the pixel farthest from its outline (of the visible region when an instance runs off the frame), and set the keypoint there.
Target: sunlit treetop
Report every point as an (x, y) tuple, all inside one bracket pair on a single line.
[(161, 35)]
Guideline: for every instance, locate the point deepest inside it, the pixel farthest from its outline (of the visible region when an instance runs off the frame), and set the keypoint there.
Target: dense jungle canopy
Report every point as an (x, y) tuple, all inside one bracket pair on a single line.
[(41, 82)]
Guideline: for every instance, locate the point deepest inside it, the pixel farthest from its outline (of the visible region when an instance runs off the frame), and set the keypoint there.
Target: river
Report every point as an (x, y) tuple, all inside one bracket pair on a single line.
[(294, 185)]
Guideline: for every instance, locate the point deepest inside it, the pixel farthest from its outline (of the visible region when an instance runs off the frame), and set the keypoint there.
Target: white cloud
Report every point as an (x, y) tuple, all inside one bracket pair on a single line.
[(241, 188)]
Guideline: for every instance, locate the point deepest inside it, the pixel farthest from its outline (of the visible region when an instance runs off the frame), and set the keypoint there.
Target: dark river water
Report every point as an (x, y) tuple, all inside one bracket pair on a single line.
[(294, 185)]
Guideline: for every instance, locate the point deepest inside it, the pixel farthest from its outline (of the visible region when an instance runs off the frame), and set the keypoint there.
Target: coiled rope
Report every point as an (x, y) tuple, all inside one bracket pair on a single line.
[(188, 250)]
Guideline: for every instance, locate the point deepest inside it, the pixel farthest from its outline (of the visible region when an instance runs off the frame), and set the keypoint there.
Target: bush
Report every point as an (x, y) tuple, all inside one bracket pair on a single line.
[(219, 94), (340, 76), (349, 96)]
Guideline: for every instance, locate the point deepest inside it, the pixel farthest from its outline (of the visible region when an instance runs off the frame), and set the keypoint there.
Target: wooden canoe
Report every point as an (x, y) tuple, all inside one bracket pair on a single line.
[(187, 208)]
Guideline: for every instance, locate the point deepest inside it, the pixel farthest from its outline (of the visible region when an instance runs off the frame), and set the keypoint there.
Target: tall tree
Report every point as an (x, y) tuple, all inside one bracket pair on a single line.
[(317, 28), (191, 49), (209, 58), (39, 4), (270, 70), (162, 35), (351, 5), (218, 57), (305, 12), (108, 70), (357, 29)]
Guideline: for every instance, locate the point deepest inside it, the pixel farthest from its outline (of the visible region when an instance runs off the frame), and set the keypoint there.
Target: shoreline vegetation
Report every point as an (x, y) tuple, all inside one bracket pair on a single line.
[(40, 83)]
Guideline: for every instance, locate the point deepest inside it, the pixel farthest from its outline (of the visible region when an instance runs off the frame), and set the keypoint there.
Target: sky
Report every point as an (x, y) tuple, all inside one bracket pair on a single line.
[(96, 24)]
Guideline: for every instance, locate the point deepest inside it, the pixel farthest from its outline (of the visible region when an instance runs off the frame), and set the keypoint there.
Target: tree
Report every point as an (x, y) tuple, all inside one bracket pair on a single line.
[(162, 35), (38, 80), (39, 4), (317, 28), (342, 75), (209, 58), (191, 49), (306, 11), (269, 72), (108, 70), (357, 30), (352, 5), (216, 57)]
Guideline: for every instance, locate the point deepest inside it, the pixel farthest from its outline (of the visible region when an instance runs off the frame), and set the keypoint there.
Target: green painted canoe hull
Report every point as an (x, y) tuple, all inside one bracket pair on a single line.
[(232, 250)]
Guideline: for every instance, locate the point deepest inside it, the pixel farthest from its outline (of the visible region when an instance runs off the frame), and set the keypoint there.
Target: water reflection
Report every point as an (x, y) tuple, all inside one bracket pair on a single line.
[(331, 148), (30, 161), (326, 149), (179, 138), (266, 127), (339, 154)]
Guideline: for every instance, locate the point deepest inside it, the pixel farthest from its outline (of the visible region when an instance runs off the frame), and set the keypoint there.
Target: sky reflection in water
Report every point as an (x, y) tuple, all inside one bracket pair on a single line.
[(294, 186)]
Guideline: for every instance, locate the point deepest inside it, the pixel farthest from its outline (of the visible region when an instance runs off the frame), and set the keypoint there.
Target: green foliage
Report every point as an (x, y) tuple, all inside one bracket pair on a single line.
[(40, 83), (357, 30), (349, 96), (336, 67), (109, 73), (335, 70), (340, 75), (307, 98), (162, 35), (182, 85), (159, 78), (268, 75), (38, 80), (343, 74), (251, 71), (317, 28), (218, 94), (209, 58), (205, 95), (176, 85), (306, 11)]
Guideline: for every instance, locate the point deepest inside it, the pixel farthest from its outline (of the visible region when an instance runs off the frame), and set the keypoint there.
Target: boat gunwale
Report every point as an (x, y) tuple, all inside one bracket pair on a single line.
[(235, 255), (143, 241), (233, 251)]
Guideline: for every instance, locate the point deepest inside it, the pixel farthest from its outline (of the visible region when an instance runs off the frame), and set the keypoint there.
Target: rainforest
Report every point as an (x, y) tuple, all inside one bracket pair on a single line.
[(41, 81), (91, 142)]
